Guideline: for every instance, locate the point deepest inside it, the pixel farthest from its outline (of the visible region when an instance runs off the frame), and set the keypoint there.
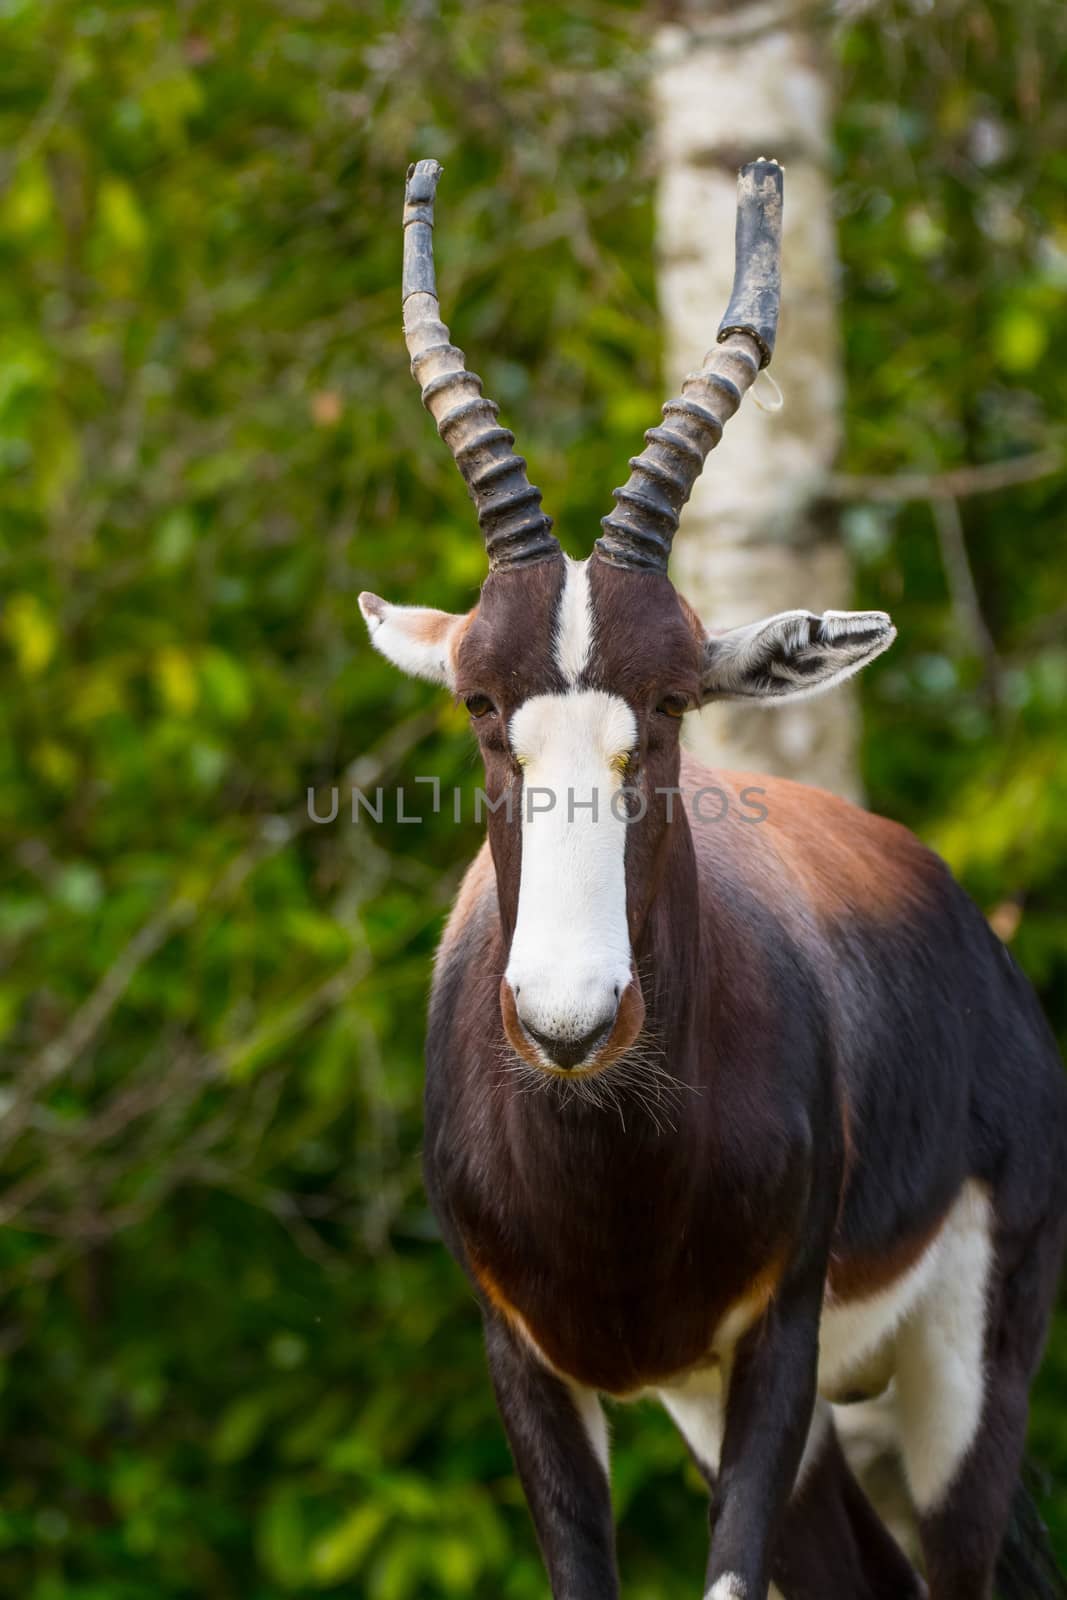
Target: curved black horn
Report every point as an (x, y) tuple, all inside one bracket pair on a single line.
[(639, 532), (517, 532)]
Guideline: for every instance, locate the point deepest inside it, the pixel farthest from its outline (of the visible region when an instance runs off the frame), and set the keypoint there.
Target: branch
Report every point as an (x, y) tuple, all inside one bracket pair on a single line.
[(955, 484), (737, 25), (57, 1057), (37, 131), (60, 1055), (964, 591)]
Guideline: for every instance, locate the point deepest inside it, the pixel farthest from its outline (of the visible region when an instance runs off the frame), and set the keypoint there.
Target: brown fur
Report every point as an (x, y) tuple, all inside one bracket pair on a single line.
[(860, 848), (846, 1047), (860, 1277)]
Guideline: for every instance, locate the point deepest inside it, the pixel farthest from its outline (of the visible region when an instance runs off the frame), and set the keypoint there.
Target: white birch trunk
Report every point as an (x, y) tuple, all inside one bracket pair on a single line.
[(733, 82)]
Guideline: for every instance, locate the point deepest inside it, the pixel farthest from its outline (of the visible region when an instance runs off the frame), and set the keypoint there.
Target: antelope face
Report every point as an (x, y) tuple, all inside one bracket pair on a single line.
[(575, 694), (577, 674)]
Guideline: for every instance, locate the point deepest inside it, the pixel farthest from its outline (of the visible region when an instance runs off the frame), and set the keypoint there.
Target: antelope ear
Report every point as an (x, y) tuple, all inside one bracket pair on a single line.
[(793, 654), (416, 639)]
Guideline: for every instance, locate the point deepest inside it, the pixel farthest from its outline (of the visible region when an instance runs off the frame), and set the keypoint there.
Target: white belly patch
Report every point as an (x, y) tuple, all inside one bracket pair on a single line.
[(926, 1331), (855, 1331), (929, 1330)]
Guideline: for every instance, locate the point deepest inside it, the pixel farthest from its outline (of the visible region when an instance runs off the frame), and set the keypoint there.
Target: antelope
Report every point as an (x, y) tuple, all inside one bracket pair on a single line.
[(749, 1113)]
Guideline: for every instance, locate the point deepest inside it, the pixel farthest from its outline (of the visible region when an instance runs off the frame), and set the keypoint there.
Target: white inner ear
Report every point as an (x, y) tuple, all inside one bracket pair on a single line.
[(793, 655), (417, 639)]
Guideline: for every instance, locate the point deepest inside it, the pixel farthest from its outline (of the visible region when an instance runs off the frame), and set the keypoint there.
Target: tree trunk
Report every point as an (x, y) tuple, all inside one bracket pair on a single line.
[(732, 82)]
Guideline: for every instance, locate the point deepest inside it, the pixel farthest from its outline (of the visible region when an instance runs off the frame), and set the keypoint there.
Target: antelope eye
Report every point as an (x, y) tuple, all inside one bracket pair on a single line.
[(479, 705), (675, 705)]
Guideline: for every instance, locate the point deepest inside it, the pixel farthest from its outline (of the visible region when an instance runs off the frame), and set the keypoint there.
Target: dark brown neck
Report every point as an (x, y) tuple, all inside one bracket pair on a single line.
[(669, 950)]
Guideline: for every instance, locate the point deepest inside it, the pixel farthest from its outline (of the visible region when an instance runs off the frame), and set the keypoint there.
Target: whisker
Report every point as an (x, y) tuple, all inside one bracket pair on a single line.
[(639, 1081)]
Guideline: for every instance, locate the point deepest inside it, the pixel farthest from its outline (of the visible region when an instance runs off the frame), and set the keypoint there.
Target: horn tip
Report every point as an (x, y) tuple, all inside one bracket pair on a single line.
[(763, 167), (422, 179)]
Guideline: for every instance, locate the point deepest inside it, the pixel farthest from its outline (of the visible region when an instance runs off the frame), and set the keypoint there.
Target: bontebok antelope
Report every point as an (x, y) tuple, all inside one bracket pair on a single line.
[(801, 1129)]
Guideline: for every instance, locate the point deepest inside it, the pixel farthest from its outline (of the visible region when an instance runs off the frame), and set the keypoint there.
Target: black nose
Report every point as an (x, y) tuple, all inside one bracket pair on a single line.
[(569, 1052)]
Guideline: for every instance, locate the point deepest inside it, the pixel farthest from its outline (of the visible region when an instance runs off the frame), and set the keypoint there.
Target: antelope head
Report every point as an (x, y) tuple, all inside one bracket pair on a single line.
[(577, 674)]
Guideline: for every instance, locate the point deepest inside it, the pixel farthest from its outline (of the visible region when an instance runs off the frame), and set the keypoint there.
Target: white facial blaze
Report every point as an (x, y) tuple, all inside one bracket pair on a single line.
[(570, 953), (574, 622)]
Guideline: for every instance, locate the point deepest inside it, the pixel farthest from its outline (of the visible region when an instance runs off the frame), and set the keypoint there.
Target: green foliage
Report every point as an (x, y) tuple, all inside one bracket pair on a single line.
[(235, 1360), (954, 235)]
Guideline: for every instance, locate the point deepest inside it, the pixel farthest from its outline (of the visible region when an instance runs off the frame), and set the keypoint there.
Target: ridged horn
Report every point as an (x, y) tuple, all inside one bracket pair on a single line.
[(639, 532), (517, 532)]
